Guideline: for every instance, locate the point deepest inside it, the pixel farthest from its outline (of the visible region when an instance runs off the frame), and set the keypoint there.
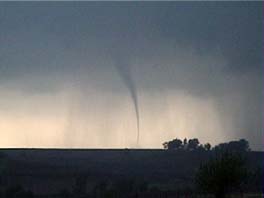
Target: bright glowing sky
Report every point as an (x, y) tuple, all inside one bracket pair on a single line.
[(196, 68)]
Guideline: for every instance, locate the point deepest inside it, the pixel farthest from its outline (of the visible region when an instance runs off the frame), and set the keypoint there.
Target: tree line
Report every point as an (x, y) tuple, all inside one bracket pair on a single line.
[(194, 144)]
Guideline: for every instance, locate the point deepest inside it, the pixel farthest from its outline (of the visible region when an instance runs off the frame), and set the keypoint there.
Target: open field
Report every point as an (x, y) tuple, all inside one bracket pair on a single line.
[(50, 171)]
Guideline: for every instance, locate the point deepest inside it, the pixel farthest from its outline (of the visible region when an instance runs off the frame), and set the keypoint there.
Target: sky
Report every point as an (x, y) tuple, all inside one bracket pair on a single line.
[(130, 74)]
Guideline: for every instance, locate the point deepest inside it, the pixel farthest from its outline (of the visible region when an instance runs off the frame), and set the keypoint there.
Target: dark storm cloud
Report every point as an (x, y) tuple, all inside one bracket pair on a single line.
[(45, 43), (41, 33)]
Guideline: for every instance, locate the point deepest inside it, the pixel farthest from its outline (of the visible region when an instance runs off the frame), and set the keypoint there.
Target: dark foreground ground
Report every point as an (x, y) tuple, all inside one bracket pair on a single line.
[(59, 172)]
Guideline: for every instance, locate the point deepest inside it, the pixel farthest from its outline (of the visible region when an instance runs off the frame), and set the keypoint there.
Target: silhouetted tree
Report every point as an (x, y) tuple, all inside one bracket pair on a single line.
[(165, 145), (221, 175), (241, 145), (237, 146), (193, 144), (207, 146), (200, 148), (175, 144), (185, 143)]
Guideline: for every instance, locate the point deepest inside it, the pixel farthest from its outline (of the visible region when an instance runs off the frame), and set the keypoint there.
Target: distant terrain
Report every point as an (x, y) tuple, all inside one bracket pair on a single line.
[(51, 171)]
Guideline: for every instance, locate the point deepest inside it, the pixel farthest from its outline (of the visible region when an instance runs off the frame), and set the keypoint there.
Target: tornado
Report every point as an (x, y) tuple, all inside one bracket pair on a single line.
[(123, 69)]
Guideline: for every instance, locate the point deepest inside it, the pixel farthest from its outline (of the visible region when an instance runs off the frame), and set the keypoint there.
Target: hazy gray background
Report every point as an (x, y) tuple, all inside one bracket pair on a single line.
[(71, 73)]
